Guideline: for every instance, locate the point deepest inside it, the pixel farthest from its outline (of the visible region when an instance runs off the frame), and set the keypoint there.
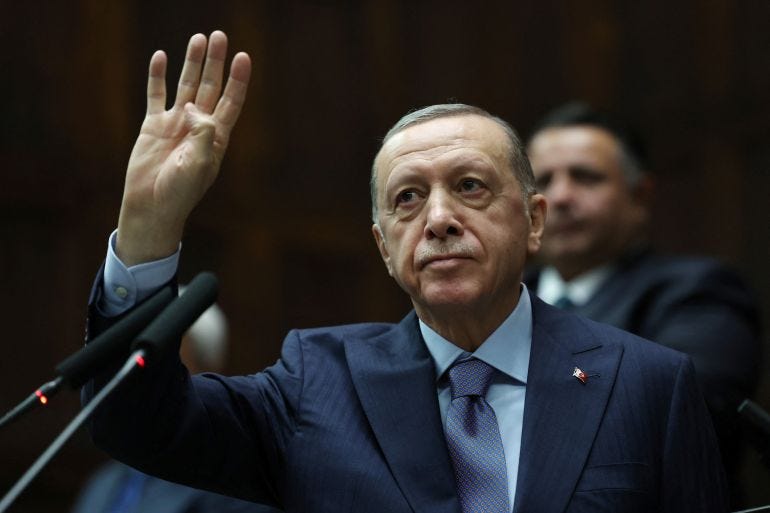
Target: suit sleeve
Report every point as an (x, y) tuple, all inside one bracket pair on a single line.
[(706, 312), (224, 434)]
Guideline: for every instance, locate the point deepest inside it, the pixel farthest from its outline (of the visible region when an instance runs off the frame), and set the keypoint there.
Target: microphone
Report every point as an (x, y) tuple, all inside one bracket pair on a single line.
[(114, 343), (172, 322), (156, 338), (755, 415), (103, 350)]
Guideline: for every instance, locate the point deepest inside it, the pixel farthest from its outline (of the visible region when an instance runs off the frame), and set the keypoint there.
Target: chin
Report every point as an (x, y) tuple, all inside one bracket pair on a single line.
[(564, 252), (450, 297)]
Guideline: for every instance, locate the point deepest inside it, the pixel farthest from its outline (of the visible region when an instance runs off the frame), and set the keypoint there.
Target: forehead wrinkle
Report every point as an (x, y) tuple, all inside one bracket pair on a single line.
[(471, 135), (433, 155), (413, 171), (437, 152), (421, 149)]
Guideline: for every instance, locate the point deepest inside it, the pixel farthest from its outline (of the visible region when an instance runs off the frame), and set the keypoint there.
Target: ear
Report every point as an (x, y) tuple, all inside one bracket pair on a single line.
[(642, 196), (644, 190), (379, 239), (538, 209)]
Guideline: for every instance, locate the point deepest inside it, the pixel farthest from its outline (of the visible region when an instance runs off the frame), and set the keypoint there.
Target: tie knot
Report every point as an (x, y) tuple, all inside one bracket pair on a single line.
[(470, 376), (565, 303)]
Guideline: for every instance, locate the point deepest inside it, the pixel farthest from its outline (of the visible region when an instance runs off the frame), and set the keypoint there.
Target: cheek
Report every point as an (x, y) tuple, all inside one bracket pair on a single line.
[(599, 205), (402, 246), (510, 239)]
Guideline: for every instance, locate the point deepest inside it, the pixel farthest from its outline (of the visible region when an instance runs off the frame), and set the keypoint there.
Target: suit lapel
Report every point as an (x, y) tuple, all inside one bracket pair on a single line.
[(394, 378), (561, 414), (617, 298), (612, 303)]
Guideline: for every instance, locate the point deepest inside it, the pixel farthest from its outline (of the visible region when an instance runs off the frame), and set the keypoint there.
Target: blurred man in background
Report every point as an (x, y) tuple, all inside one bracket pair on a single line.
[(597, 262)]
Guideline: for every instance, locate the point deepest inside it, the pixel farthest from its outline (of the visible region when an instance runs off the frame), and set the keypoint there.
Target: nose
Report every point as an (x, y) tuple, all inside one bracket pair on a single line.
[(559, 192), (442, 217)]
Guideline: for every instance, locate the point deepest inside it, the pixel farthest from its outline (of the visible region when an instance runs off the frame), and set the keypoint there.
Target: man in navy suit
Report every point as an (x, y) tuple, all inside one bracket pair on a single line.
[(570, 415), (593, 171)]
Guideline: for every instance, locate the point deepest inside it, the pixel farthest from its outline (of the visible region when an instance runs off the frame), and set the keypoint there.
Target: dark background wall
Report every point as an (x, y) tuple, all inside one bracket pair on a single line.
[(286, 227)]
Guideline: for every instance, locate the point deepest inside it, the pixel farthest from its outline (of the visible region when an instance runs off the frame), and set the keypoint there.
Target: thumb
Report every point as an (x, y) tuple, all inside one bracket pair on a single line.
[(202, 127)]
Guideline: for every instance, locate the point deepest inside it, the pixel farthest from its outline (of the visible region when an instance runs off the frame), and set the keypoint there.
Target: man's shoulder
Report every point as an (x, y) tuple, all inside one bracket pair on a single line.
[(593, 333), (651, 264), (357, 332), (677, 276), (646, 349), (675, 266)]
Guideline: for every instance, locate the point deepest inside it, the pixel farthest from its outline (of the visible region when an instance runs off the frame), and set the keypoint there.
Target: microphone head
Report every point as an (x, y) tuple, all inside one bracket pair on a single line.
[(179, 315)]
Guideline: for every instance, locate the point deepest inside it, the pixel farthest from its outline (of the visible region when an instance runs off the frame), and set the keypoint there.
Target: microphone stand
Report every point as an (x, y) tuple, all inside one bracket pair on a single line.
[(136, 360), (758, 420), (110, 346), (154, 339)]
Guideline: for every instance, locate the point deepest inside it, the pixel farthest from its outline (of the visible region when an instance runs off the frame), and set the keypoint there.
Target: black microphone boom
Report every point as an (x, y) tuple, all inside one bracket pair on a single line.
[(172, 322), (107, 348), (112, 346), (176, 316)]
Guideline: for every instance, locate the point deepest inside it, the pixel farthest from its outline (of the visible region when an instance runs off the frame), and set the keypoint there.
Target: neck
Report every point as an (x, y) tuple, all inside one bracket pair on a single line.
[(570, 272), (467, 326)]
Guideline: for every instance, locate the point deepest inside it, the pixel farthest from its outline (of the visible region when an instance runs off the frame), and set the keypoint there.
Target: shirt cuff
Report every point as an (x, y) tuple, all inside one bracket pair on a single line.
[(124, 286)]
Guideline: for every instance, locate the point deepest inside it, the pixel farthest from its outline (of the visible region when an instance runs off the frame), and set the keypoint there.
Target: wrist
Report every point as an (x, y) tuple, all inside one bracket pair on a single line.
[(140, 241)]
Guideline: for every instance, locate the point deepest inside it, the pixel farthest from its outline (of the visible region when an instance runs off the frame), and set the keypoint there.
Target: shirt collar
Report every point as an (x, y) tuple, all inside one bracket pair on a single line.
[(507, 348), (551, 287)]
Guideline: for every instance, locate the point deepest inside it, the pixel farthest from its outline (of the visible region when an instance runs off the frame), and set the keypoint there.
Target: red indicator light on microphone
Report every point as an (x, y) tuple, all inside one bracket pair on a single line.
[(140, 360), (41, 397)]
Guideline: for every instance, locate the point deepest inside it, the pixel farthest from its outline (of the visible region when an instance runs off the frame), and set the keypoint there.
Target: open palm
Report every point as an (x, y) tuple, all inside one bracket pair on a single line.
[(178, 152)]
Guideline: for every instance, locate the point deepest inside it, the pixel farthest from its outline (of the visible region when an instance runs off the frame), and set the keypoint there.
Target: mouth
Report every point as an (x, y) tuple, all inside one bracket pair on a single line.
[(443, 261), (565, 226)]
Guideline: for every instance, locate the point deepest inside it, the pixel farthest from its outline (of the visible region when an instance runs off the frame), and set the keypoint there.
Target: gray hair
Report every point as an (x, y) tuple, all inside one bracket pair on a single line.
[(517, 157)]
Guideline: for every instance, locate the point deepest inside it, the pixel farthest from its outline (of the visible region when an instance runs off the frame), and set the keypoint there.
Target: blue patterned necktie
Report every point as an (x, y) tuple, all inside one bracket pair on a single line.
[(473, 437)]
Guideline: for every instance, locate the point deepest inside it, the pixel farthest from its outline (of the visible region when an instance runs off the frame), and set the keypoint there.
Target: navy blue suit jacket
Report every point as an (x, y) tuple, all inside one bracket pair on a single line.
[(694, 305), (699, 307), (348, 421)]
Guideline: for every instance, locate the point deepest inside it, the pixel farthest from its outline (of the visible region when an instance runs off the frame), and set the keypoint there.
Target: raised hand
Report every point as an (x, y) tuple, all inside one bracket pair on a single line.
[(178, 152)]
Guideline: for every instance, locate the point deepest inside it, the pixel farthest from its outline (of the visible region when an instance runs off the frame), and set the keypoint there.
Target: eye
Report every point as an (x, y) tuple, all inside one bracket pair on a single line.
[(470, 185), (587, 175), (542, 182), (406, 197)]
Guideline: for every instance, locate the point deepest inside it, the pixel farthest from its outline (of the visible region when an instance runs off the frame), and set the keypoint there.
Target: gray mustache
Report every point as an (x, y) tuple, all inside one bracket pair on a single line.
[(456, 249)]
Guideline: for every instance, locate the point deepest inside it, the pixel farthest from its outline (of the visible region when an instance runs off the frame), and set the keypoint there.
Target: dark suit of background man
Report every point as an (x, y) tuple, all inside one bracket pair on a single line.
[(482, 399), (593, 172)]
